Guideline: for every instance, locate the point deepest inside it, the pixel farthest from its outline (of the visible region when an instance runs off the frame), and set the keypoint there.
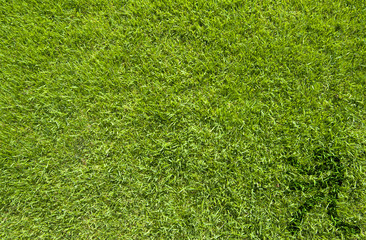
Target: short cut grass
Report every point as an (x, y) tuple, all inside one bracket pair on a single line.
[(182, 119)]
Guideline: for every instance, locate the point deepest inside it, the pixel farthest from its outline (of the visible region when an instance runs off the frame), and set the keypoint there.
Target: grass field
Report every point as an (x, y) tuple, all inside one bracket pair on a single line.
[(182, 119)]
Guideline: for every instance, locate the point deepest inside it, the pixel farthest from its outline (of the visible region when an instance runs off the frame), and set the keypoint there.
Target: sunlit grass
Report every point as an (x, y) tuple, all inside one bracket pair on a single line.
[(182, 119)]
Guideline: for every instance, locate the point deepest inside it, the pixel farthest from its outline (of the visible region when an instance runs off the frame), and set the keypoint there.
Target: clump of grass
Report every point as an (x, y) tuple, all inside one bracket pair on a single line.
[(330, 173)]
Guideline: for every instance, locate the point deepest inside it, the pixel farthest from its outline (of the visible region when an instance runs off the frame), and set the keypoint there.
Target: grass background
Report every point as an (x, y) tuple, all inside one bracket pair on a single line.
[(176, 119)]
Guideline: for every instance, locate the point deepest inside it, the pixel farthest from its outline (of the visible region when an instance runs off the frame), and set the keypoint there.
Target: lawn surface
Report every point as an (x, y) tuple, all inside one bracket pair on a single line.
[(182, 119)]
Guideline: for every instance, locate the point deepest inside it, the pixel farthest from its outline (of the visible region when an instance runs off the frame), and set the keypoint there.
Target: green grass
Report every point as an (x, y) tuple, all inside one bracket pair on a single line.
[(182, 119)]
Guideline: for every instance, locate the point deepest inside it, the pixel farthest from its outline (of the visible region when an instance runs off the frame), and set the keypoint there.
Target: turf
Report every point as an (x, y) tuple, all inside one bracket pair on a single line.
[(182, 119)]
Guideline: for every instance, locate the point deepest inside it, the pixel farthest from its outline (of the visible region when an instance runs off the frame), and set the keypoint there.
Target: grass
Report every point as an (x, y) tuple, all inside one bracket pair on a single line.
[(182, 119)]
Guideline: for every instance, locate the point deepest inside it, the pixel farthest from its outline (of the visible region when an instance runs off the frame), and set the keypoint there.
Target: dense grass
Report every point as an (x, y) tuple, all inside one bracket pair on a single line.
[(182, 119)]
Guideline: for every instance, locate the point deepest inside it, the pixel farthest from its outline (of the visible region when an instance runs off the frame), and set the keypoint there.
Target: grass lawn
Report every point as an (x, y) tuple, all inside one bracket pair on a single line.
[(181, 119)]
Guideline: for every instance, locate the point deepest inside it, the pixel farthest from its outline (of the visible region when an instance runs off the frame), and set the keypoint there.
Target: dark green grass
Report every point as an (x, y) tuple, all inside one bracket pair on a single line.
[(182, 119)]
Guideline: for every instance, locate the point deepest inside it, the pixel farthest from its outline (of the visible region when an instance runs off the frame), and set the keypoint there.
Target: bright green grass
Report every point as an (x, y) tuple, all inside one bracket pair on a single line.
[(180, 119)]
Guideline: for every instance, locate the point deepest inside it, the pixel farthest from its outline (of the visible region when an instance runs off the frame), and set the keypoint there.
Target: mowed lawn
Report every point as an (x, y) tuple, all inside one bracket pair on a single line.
[(220, 119)]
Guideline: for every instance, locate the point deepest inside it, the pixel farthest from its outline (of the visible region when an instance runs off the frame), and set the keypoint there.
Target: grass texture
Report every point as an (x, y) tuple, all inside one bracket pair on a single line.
[(182, 119)]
